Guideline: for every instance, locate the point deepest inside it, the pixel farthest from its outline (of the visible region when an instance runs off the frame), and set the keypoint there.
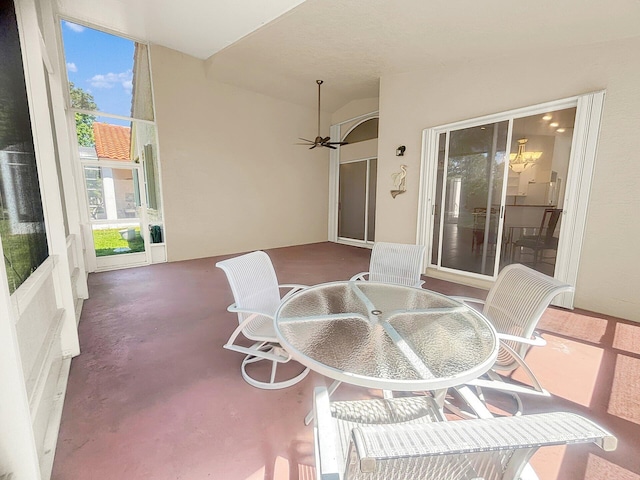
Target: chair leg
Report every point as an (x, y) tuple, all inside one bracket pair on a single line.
[(271, 384), (497, 378)]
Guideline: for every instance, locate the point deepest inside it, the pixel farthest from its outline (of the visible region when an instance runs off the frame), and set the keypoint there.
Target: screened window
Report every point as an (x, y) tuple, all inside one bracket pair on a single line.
[(22, 230)]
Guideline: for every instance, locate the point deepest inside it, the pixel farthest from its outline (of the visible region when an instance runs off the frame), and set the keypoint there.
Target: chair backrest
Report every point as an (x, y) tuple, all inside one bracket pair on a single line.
[(548, 225), (253, 282), (516, 303), (397, 263)]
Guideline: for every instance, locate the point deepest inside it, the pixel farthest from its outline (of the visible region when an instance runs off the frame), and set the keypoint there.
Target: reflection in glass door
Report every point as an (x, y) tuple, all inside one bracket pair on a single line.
[(114, 201), (498, 192), (357, 200), (469, 193)]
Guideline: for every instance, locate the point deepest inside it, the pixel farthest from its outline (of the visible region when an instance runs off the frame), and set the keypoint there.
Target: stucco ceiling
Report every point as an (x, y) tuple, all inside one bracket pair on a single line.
[(281, 47)]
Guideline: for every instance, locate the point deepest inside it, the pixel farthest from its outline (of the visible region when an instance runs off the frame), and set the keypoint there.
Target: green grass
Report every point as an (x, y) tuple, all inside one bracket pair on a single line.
[(106, 241), (18, 255)]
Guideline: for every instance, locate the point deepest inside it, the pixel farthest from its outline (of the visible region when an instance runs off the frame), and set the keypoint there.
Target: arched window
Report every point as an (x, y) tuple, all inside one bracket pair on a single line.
[(367, 130)]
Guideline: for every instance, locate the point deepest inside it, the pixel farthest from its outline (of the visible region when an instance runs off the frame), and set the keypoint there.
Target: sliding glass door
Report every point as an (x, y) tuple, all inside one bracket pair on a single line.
[(357, 200), (469, 198), (497, 192)]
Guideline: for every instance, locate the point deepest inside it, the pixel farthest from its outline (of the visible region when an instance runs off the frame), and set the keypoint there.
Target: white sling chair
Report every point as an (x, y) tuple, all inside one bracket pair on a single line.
[(405, 438), (256, 293), (514, 305), (397, 263)]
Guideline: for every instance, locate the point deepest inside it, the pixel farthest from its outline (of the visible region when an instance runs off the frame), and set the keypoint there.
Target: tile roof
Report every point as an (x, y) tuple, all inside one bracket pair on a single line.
[(113, 142)]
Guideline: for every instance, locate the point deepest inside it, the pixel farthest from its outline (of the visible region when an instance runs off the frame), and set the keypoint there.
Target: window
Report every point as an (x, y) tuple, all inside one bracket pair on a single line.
[(22, 229)]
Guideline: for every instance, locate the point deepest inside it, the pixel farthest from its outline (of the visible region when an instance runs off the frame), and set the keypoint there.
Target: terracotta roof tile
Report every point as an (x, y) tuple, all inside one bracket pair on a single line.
[(113, 142)]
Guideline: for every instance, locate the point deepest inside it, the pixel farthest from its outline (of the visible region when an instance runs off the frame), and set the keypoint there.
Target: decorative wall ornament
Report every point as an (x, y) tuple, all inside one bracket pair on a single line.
[(399, 181)]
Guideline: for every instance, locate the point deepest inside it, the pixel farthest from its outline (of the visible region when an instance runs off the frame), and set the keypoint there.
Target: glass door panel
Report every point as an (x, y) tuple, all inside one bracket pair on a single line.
[(435, 251), (470, 188), (371, 207), (540, 151), (357, 204), (351, 214), (114, 201)]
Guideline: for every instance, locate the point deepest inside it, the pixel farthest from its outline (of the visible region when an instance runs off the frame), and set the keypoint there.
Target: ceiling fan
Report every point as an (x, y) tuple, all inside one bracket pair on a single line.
[(320, 141)]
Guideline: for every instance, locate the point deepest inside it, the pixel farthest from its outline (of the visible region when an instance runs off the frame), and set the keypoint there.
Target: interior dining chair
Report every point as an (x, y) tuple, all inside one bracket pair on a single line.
[(479, 227), (514, 305), (397, 263), (543, 239), (256, 292), (406, 438)]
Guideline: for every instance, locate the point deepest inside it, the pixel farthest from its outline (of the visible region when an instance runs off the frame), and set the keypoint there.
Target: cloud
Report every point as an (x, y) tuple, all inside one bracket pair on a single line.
[(110, 80), (74, 27), (72, 67)]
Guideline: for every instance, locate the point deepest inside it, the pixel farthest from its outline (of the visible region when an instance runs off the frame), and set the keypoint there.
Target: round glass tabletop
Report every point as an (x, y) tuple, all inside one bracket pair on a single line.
[(386, 336)]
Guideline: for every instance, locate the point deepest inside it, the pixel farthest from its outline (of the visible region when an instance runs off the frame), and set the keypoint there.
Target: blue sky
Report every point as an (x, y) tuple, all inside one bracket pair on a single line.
[(100, 64)]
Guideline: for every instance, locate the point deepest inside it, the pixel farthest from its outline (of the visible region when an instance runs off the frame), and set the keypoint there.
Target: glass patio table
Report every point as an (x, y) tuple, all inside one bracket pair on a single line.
[(386, 336)]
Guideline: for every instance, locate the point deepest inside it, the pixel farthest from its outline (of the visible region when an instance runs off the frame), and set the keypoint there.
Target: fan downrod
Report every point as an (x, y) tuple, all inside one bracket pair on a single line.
[(320, 141)]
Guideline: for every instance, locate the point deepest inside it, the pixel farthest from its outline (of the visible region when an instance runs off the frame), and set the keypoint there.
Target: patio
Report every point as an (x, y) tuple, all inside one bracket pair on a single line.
[(154, 395)]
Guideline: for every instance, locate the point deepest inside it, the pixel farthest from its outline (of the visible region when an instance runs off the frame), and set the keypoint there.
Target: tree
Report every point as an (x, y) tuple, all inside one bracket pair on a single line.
[(84, 122)]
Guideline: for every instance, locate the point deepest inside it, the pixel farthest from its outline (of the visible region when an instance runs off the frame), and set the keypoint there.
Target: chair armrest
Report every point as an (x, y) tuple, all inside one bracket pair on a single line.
[(537, 341), (372, 443), (467, 299), (359, 276), (235, 309), (329, 461), (293, 288)]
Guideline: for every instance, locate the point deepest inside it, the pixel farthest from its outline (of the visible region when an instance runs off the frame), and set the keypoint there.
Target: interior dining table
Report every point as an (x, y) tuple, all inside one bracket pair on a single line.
[(388, 337)]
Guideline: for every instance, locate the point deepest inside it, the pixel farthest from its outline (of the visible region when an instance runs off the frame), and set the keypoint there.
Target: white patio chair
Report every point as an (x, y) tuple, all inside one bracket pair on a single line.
[(397, 263), (403, 438), (256, 293), (515, 304)]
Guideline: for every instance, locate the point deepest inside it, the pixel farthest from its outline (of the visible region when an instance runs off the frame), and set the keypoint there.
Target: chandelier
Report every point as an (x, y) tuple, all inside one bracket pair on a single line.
[(521, 160)]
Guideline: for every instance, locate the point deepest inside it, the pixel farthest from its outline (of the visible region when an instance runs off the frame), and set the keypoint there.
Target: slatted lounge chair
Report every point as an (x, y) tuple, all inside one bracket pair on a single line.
[(404, 438)]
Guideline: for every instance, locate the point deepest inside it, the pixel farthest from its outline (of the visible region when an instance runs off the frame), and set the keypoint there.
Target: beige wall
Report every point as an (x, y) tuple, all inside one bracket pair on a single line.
[(232, 178), (354, 109), (609, 276)]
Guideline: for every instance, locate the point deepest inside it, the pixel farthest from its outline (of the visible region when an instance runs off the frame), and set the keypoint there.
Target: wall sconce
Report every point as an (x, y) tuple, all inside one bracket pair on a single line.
[(400, 151)]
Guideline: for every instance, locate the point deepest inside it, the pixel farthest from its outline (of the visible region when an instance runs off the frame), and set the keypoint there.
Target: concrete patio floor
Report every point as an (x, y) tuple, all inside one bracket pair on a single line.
[(153, 395)]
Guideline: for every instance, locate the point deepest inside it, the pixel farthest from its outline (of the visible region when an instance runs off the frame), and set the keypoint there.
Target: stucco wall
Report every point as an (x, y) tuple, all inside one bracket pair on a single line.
[(609, 275), (233, 179)]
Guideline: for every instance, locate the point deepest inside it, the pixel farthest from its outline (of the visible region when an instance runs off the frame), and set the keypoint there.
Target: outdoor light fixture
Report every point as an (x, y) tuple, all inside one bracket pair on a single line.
[(400, 151), (521, 160)]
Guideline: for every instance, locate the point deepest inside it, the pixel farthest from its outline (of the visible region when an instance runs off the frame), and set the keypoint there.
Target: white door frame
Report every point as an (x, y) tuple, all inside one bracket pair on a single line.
[(581, 164)]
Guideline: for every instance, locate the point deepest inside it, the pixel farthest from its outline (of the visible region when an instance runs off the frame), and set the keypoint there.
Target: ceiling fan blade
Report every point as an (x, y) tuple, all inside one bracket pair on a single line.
[(329, 146), (326, 139), (310, 141), (314, 146), (337, 143)]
